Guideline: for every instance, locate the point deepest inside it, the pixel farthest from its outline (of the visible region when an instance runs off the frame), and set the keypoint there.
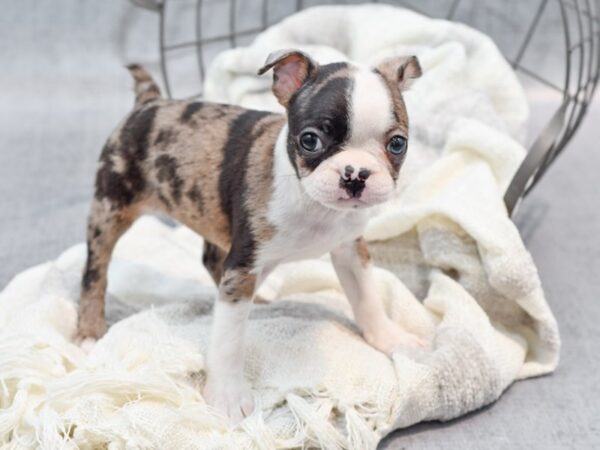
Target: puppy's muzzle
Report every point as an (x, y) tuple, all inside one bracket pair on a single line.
[(354, 184)]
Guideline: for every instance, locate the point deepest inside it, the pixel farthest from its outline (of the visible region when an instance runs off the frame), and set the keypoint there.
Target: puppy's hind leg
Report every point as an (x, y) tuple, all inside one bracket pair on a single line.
[(105, 226)]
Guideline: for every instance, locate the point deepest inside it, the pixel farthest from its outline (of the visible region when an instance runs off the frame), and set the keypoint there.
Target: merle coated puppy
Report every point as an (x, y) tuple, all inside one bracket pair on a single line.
[(262, 189)]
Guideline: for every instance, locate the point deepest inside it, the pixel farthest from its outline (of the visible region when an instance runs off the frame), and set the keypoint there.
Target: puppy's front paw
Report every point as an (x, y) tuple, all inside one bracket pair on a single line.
[(389, 337), (234, 399)]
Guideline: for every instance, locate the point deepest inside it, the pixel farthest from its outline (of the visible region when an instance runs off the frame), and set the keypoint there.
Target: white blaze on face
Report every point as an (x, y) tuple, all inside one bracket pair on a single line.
[(371, 111)]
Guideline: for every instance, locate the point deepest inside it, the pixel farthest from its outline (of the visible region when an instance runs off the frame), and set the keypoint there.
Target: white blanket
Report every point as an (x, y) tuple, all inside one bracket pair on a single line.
[(463, 280)]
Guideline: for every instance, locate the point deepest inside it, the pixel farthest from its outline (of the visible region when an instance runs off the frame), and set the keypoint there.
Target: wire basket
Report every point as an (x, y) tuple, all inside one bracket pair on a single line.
[(568, 28)]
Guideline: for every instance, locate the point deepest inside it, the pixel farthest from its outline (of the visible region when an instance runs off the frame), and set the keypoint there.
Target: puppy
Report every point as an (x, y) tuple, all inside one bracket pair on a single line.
[(262, 189)]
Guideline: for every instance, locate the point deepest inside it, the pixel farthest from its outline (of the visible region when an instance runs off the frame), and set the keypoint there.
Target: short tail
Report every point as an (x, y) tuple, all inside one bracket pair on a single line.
[(146, 90)]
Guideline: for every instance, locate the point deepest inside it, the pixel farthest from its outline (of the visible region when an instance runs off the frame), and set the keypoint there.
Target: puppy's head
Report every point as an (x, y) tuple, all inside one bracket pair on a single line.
[(348, 127)]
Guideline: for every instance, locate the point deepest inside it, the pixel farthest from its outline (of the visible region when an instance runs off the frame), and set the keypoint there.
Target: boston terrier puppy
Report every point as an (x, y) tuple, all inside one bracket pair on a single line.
[(262, 189)]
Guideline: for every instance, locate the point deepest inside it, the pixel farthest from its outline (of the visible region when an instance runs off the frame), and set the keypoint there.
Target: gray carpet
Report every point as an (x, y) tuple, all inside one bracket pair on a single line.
[(62, 89)]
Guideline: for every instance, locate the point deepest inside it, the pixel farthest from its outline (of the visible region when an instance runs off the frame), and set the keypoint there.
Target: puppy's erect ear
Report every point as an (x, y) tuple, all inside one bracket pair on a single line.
[(291, 68), (403, 70)]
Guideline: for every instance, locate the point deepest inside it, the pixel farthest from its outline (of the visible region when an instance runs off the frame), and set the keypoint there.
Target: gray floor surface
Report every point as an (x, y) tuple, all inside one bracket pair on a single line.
[(62, 89)]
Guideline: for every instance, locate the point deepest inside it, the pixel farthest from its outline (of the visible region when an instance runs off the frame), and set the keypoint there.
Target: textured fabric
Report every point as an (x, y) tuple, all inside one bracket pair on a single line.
[(317, 383)]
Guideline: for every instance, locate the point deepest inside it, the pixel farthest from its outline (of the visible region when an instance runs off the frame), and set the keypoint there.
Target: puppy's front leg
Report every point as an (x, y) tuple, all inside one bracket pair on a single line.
[(226, 389), (353, 266)]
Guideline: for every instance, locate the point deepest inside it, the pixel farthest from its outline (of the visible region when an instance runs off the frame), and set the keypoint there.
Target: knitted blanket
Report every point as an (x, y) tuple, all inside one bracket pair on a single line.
[(452, 269)]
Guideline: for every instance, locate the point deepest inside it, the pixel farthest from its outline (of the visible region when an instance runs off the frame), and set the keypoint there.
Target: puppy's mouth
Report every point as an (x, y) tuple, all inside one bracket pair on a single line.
[(345, 203), (352, 202)]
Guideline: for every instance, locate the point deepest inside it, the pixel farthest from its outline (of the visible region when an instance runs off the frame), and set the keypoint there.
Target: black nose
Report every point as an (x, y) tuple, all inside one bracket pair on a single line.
[(354, 185)]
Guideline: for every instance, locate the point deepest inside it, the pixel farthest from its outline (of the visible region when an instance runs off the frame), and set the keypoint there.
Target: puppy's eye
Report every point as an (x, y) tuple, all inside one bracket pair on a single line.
[(397, 145), (311, 142)]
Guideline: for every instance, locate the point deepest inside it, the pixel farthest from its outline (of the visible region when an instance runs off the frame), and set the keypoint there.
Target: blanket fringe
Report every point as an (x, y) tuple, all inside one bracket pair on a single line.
[(314, 422), (11, 416), (360, 435), (261, 436)]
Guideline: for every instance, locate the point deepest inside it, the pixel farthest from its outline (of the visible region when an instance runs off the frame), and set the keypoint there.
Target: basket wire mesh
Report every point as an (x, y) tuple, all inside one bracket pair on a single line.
[(580, 30)]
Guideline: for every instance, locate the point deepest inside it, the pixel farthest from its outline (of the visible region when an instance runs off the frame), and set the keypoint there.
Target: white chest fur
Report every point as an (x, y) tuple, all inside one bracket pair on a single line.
[(304, 228)]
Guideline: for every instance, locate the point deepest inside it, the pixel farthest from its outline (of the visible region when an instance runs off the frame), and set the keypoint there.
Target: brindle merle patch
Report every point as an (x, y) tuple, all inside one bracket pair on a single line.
[(166, 166), (189, 111), (195, 195), (233, 189), (122, 188), (149, 95), (91, 274), (166, 137)]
